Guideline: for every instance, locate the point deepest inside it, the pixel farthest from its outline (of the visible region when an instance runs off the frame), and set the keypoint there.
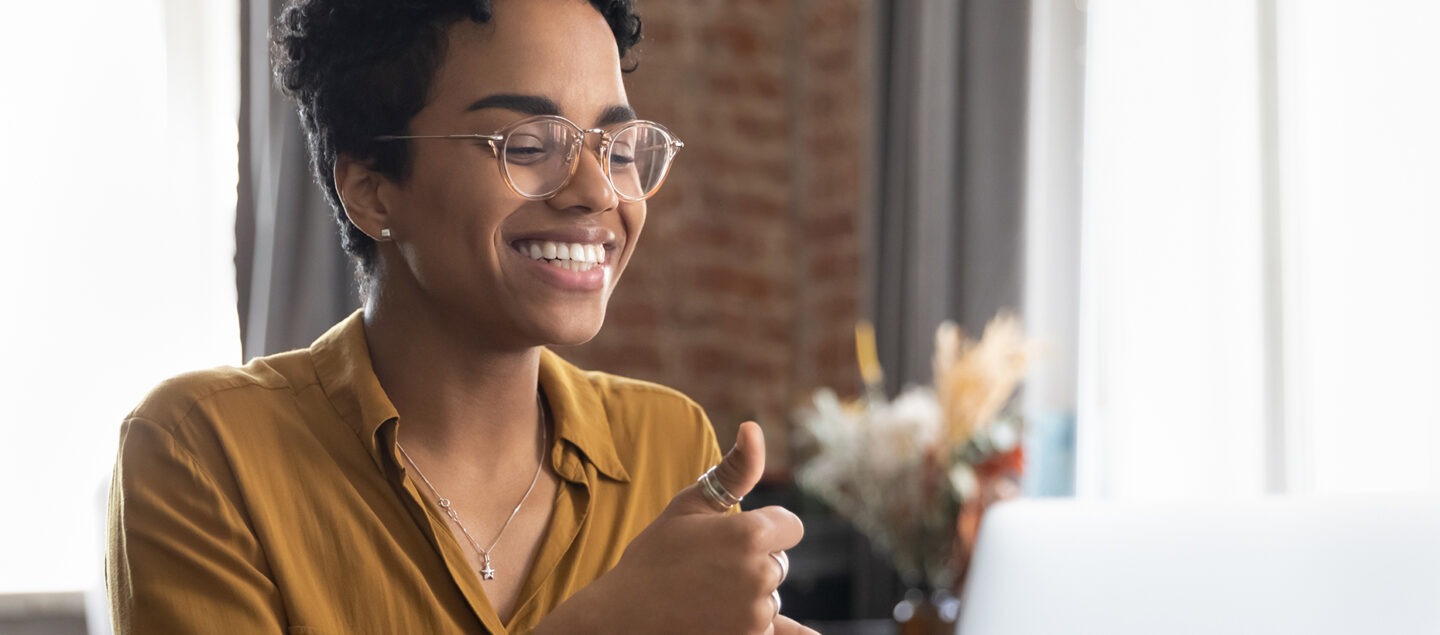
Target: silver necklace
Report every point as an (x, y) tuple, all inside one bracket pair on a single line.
[(488, 571)]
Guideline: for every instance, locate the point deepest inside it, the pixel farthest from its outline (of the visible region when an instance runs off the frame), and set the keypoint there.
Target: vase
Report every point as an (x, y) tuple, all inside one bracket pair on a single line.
[(997, 480), (926, 613)]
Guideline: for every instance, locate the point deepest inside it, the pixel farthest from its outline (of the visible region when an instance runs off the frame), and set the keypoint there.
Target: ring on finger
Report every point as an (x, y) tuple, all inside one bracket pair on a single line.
[(775, 596), (715, 491), (782, 559)]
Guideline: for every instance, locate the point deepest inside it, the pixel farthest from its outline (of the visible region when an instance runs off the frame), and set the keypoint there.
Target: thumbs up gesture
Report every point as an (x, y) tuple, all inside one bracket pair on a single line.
[(699, 568)]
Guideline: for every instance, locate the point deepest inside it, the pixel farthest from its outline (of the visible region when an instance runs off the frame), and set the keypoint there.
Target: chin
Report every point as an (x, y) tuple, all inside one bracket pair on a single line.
[(572, 332), (572, 338)]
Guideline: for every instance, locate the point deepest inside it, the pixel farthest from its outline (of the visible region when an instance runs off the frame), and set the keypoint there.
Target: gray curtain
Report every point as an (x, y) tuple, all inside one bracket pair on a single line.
[(293, 279), (949, 225), (949, 235)]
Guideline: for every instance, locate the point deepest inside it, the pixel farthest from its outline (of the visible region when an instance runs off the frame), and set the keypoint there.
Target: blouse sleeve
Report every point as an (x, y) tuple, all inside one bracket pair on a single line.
[(181, 556)]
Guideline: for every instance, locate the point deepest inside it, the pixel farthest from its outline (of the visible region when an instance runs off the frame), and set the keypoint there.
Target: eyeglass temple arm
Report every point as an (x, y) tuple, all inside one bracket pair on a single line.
[(488, 137), (493, 139)]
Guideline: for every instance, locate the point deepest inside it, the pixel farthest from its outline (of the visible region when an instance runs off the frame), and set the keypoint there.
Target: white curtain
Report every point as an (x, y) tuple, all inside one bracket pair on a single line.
[(119, 176), (1259, 266)]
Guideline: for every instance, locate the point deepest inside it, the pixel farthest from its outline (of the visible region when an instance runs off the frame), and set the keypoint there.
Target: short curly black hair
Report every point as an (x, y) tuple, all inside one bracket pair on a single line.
[(361, 68)]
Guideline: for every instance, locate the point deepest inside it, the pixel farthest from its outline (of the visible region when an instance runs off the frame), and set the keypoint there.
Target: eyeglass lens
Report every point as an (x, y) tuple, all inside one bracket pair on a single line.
[(540, 156)]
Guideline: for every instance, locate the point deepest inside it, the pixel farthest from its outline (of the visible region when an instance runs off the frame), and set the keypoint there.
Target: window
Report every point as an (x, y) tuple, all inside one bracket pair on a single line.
[(119, 174), (1259, 266)]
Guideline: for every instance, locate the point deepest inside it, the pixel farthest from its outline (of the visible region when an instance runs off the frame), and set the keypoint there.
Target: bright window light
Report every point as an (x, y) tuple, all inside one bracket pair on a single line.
[(119, 173), (1174, 322), (1360, 159), (1171, 354)]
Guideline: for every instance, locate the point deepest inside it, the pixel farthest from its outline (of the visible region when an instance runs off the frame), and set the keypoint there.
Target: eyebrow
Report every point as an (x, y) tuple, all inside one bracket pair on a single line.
[(538, 105), (618, 113)]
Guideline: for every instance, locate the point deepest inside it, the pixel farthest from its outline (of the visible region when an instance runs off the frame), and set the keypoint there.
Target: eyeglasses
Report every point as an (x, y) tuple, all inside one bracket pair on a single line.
[(538, 155)]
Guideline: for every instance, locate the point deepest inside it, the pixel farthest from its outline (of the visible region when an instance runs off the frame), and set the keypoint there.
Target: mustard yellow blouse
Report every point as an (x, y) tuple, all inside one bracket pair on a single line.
[(271, 498)]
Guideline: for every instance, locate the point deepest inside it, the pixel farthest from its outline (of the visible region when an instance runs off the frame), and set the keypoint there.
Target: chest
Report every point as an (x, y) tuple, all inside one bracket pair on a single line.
[(501, 531), (352, 547)]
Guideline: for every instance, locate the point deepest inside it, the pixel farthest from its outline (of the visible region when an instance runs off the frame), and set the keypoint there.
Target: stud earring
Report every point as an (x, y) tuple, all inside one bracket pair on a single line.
[(385, 234)]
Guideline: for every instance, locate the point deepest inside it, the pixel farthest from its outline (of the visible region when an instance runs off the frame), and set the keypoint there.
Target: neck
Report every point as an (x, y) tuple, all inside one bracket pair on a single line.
[(457, 395)]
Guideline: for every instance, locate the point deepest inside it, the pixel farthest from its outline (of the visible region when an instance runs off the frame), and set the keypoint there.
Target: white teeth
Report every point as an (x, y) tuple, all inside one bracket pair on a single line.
[(572, 256), (572, 265)]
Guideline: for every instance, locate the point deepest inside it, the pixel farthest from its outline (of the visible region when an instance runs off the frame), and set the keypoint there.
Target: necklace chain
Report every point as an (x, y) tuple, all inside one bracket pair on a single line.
[(488, 572)]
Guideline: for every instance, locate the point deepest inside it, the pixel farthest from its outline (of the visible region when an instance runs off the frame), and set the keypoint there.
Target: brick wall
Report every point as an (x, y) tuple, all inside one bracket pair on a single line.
[(746, 286)]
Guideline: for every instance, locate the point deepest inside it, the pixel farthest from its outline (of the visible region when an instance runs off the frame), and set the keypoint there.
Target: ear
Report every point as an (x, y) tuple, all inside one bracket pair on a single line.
[(359, 187)]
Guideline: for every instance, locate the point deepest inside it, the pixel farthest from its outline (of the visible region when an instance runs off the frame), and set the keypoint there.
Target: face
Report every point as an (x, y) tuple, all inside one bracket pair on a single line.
[(463, 240)]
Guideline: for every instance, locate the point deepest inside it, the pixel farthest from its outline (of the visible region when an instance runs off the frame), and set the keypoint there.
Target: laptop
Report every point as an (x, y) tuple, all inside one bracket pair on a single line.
[(1311, 566)]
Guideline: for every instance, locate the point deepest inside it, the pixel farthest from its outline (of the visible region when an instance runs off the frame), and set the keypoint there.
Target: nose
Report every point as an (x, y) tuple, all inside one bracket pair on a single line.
[(589, 189)]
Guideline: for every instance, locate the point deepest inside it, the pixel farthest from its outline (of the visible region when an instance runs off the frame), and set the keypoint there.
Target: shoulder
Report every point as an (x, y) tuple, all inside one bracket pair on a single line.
[(639, 409), (656, 427), (211, 397), (629, 396)]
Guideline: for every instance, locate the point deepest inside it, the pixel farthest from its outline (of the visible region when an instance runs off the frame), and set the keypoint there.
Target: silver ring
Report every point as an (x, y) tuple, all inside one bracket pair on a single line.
[(715, 491), (784, 563), (775, 595)]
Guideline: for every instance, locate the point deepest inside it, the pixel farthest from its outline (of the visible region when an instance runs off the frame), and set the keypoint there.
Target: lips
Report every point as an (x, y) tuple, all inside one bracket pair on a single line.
[(574, 248), (575, 258)]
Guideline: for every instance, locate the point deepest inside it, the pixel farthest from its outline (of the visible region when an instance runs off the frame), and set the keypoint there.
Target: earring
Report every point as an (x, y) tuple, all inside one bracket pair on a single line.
[(385, 234)]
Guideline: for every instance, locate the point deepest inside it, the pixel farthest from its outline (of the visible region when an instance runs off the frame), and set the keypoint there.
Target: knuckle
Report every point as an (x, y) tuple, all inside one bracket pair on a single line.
[(769, 573), (796, 522), (783, 516), (760, 615), (755, 541), (759, 575), (750, 530)]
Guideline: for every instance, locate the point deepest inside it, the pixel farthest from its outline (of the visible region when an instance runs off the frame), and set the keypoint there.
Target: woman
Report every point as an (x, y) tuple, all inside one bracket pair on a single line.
[(428, 466)]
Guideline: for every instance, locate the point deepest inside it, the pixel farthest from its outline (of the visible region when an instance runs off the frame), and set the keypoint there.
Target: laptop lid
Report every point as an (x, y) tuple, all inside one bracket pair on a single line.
[(1275, 566)]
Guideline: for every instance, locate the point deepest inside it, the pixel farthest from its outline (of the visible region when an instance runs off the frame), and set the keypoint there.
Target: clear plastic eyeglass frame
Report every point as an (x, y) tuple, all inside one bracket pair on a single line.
[(500, 140)]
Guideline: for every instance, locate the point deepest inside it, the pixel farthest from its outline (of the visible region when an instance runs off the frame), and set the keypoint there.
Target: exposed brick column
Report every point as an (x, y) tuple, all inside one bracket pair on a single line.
[(745, 288)]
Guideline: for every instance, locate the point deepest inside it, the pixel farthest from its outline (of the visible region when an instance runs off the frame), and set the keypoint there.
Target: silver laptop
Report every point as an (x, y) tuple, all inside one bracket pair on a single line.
[(1322, 566)]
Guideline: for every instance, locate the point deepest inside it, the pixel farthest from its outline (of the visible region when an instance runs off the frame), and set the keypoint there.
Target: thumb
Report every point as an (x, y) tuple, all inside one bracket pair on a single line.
[(739, 471)]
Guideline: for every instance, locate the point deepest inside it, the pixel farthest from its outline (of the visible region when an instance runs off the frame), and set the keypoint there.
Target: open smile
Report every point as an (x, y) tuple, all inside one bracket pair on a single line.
[(569, 256)]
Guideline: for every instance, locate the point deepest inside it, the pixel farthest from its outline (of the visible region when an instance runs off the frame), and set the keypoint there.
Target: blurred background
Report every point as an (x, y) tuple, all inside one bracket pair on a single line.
[(1216, 220)]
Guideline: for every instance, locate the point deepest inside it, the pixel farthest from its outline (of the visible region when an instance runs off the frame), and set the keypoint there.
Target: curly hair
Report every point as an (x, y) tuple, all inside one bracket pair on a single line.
[(361, 68)]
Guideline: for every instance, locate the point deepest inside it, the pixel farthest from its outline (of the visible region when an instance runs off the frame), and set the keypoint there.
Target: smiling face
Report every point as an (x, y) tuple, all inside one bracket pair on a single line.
[(468, 249)]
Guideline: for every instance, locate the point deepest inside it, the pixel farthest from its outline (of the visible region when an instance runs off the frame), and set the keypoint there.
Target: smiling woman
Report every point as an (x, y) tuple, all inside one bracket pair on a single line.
[(428, 465)]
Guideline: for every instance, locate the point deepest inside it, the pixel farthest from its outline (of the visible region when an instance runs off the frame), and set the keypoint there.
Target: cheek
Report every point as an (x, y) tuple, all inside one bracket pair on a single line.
[(633, 216), (461, 205), (455, 226), (457, 176)]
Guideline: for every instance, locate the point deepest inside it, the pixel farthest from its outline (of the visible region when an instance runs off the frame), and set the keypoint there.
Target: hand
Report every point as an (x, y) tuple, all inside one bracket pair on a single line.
[(697, 569)]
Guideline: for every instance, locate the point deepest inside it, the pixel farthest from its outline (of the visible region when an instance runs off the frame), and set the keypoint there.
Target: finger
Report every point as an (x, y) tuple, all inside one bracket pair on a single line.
[(778, 528), (786, 626), (742, 467), (782, 563), (739, 471)]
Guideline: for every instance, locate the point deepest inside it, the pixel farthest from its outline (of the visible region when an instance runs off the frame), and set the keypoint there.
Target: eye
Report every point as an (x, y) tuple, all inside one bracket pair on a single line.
[(526, 149), (622, 154)]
